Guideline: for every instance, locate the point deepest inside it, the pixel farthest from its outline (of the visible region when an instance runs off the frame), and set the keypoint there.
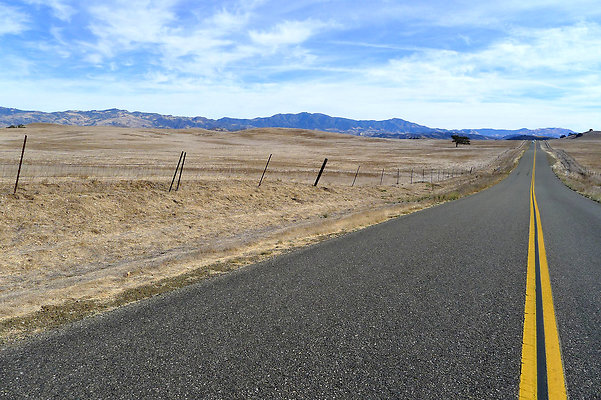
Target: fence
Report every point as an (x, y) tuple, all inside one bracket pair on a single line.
[(37, 169), (572, 167)]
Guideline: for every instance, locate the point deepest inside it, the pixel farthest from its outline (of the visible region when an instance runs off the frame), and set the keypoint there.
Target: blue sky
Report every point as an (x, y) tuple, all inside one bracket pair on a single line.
[(449, 64)]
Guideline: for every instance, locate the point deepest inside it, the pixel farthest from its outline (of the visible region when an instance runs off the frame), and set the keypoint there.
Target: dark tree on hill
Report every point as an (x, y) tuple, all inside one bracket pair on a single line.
[(460, 140)]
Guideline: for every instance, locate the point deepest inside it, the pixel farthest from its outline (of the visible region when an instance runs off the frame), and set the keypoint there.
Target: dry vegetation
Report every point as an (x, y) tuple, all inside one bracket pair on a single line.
[(577, 162), (93, 226)]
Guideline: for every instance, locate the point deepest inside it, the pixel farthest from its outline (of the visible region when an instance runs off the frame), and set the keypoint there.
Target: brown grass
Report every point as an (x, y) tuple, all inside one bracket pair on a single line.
[(149, 154), (577, 162), (75, 244)]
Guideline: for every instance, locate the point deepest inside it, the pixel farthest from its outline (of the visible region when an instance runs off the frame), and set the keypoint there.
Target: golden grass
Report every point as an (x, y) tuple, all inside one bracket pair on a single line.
[(74, 245), (121, 153), (587, 152), (577, 162)]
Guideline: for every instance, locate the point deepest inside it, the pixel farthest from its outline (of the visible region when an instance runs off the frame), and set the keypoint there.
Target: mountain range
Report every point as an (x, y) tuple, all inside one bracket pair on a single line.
[(390, 128)]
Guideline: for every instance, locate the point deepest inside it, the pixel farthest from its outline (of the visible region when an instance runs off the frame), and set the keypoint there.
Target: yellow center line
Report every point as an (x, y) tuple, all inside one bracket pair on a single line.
[(556, 388), (528, 379), (555, 377)]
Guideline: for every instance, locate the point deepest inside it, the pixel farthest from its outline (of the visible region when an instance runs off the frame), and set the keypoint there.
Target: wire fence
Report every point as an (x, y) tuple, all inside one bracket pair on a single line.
[(573, 168), (343, 172)]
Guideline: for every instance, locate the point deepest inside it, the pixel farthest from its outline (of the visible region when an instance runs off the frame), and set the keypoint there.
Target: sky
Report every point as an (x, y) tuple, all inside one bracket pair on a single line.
[(448, 64)]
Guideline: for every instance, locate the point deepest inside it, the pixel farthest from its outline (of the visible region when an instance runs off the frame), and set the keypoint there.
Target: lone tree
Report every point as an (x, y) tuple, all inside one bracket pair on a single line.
[(460, 140)]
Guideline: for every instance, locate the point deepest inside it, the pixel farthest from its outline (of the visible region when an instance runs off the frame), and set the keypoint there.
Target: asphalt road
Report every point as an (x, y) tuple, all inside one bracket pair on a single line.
[(426, 306)]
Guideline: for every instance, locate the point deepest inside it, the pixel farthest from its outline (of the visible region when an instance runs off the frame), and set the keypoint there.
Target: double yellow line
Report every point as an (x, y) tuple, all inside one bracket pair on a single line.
[(541, 339)]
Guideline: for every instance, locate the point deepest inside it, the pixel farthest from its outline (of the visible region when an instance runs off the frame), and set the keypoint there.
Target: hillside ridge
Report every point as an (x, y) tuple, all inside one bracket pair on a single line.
[(390, 128)]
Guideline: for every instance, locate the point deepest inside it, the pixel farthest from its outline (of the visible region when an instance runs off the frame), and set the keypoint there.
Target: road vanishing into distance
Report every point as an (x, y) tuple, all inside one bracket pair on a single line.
[(453, 302)]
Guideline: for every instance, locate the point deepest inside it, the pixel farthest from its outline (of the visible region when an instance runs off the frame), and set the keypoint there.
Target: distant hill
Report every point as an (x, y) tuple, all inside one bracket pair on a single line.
[(527, 137), (391, 128), (591, 134)]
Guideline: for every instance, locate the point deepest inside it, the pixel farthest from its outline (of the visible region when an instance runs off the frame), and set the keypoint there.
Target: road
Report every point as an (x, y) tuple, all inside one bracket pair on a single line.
[(427, 306)]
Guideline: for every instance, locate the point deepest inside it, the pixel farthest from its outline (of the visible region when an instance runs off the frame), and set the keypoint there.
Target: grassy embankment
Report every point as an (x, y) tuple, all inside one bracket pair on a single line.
[(577, 162)]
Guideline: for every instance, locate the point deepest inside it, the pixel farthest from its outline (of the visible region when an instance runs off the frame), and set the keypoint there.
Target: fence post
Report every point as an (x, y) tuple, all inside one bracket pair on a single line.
[(412, 175), (269, 159), (180, 171), (398, 174), (176, 168), (325, 161), (20, 163), (431, 183), (356, 173), (382, 177)]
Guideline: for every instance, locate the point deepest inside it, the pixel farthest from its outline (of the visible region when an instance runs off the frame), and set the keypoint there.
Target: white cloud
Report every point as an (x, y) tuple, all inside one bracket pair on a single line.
[(240, 58), (210, 47), (60, 8), (569, 48), (345, 99), (287, 33), (122, 25), (528, 64), (152, 26), (12, 21)]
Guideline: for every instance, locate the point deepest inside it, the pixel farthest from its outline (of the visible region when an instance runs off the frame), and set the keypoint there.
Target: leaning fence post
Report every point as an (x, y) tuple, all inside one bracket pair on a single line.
[(356, 173), (325, 161), (20, 163), (176, 168), (180, 171), (382, 177), (269, 159)]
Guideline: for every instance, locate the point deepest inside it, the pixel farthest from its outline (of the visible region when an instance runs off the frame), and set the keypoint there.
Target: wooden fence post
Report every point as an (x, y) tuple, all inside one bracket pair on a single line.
[(269, 159), (180, 171), (382, 177), (356, 173), (325, 161), (176, 168), (20, 163)]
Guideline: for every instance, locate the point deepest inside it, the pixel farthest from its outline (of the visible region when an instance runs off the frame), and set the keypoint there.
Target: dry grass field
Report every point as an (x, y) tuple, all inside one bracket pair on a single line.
[(577, 162), (55, 151), (93, 226)]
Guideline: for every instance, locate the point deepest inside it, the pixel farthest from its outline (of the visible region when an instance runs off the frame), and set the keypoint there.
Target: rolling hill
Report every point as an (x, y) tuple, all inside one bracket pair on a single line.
[(391, 128)]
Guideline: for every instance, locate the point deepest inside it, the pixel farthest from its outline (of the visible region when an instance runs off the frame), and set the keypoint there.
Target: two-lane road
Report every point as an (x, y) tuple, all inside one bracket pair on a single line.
[(430, 305)]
